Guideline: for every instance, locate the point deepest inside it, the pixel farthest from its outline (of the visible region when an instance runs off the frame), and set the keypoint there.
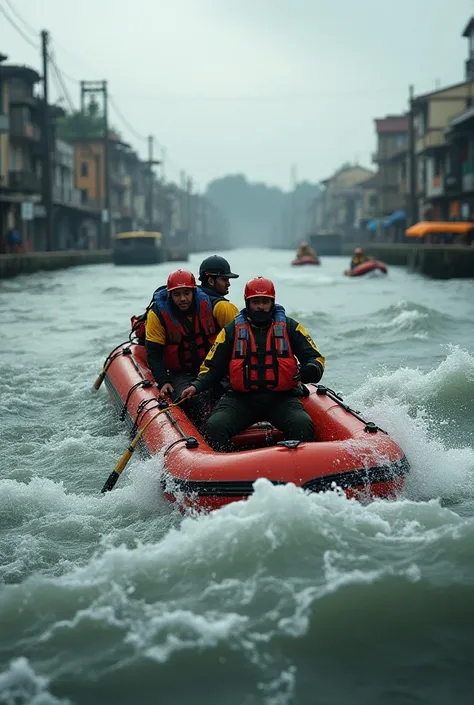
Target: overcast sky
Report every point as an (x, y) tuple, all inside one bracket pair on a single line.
[(250, 86)]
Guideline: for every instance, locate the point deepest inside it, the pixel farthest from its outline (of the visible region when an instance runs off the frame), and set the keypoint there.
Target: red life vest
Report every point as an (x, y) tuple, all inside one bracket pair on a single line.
[(187, 341), (247, 373)]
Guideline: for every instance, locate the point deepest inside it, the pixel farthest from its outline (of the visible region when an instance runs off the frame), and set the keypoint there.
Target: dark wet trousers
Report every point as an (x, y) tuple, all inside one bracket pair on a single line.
[(199, 406), (196, 407), (237, 411)]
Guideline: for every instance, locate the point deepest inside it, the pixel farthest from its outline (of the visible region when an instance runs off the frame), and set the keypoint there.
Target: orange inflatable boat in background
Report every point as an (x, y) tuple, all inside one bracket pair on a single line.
[(372, 265), (348, 452), (307, 259)]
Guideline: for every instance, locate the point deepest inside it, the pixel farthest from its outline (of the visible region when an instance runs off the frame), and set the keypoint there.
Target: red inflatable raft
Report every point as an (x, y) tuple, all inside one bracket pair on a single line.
[(371, 265), (348, 452), (298, 261)]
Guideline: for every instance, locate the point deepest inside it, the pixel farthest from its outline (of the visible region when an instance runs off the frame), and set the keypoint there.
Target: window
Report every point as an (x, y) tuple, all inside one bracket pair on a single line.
[(84, 169), (401, 141), (84, 195)]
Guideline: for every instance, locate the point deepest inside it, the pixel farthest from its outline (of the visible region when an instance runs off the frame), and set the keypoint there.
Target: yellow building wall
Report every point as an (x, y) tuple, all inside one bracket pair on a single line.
[(453, 102), (92, 154)]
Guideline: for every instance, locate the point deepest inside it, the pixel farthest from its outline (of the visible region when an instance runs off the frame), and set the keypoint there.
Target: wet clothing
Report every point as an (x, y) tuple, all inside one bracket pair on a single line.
[(239, 409), (180, 341), (235, 412), (306, 252), (274, 368), (217, 363), (189, 335), (197, 407)]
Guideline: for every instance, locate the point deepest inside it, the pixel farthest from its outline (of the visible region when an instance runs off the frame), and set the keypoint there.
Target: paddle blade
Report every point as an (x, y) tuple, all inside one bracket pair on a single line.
[(110, 482)]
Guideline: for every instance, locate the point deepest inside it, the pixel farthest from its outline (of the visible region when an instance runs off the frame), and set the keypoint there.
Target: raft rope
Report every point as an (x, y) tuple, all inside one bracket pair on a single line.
[(142, 407), (370, 426)]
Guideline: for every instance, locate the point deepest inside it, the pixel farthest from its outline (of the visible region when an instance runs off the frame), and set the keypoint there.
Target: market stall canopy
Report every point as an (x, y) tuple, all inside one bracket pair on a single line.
[(426, 226)]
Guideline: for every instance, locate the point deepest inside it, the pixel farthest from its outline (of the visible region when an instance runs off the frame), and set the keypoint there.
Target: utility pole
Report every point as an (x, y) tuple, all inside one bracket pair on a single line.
[(47, 147), (151, 163), (95, 87), (412, 203), (292, 232), (189, 214)]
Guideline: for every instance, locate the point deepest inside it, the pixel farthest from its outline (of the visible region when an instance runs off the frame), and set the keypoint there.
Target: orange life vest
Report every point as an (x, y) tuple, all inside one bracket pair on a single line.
[(246, 371), (187, 341)]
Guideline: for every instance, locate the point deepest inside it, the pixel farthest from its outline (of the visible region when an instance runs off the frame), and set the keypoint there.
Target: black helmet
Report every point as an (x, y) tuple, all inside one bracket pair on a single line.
[(215, 266)]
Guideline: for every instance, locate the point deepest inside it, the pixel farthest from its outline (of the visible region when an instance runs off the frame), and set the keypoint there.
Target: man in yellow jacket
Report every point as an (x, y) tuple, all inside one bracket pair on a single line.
[(182, 324)]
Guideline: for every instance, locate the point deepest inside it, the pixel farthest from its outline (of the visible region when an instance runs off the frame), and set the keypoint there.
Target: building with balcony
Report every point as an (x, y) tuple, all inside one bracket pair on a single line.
[(20, 135), (343, 203), (433, 113), (392, 144)]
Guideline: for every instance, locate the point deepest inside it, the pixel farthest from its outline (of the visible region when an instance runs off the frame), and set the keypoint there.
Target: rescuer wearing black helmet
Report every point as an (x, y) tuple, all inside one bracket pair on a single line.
[(215, 276)]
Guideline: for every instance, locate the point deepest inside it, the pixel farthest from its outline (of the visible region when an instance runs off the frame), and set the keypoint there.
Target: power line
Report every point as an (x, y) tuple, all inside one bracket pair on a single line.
[(61, 82), (60, 75), (136, 134), (22, 20), (18, 29)]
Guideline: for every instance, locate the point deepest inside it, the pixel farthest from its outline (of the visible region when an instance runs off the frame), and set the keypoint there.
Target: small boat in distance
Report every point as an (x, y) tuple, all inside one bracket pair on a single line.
[(298, 261), (138, 247), (372, 265)]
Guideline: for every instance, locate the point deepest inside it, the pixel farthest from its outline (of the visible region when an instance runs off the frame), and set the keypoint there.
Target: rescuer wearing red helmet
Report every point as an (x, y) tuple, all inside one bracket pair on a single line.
[(358, 257), (180, 329), (260, 351)]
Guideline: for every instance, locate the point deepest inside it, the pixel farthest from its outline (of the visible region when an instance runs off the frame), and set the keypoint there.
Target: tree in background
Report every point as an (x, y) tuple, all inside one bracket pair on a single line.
[(83, 125), (255, 211)]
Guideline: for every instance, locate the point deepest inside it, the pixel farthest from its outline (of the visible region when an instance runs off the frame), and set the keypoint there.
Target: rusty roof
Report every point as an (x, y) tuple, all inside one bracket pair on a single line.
[(392, 123)]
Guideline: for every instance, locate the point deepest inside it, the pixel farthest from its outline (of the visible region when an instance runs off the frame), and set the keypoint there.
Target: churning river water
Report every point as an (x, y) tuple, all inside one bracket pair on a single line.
[(287, 598)]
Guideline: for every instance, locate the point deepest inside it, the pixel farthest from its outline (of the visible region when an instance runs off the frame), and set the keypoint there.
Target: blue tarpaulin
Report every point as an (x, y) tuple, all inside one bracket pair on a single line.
[(396, 217)]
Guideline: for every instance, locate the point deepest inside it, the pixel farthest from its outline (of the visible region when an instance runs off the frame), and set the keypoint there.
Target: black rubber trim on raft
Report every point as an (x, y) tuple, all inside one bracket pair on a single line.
[(344, 480)]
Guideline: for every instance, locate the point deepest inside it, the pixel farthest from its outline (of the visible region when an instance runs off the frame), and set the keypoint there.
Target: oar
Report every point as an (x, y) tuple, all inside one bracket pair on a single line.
[(115, 474)]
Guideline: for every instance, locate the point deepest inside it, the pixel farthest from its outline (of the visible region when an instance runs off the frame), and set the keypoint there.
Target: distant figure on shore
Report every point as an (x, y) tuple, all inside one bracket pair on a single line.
[(359, 257), (14, 243), (305, 250)]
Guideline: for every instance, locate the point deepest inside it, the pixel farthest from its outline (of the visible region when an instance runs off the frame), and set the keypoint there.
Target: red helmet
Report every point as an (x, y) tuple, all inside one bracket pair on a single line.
[(259, 286), (358, 251), (181, 279)]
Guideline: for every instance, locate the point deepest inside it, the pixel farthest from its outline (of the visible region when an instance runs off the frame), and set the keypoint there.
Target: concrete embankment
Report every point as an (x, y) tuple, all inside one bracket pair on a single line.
[(28, 263), (436, 261)]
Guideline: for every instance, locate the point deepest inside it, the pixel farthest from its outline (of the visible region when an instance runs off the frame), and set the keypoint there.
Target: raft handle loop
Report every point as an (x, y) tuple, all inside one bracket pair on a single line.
[(142, 407), (108, 361), (145, 383), (370, 426)]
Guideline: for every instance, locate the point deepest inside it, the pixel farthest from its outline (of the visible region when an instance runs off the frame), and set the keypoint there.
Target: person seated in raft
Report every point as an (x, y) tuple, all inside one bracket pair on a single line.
[(215, 276), (359, 257), (260, 351), (305, 250), (181, 326)]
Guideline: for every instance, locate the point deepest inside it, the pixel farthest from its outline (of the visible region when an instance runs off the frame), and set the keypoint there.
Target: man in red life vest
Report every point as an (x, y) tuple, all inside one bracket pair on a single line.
[(180, 330), (260, 351)]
